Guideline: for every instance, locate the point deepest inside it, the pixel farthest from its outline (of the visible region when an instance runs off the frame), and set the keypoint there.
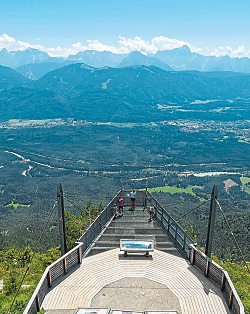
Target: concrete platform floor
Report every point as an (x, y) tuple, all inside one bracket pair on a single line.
[(161, 282)]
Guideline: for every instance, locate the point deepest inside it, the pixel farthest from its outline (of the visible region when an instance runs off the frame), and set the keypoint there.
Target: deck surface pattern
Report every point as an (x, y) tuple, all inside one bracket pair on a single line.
[(195, 293)]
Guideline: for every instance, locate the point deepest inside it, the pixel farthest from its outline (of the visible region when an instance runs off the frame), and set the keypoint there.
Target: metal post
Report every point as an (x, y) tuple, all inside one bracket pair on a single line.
[(146, 196), (168, 223), (60, 205), (230, 301), (37, 304), (49, 279), (184, 242), (211, 222), (223, 280), (79, 254), (65, 266), (192, 256), (207, 268), (176, 233)]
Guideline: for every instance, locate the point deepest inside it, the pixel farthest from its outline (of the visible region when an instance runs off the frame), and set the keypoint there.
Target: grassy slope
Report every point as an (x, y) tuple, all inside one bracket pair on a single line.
[(16, 205), (172, 190), (245, 181)]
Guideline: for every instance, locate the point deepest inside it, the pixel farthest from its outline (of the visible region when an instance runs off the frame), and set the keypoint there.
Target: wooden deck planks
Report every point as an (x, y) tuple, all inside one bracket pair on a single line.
[(195, 292)]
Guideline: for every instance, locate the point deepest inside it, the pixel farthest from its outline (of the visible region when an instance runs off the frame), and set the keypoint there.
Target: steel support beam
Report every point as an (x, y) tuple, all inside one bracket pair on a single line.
[(211, 222), (62, 230)]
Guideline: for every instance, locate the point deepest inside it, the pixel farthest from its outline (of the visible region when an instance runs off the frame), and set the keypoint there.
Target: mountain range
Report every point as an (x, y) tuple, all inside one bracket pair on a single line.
[(80, 91), (33, 63)]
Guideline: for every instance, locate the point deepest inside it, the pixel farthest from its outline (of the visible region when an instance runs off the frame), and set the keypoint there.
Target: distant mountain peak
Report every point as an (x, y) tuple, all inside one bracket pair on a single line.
[(183, 51), (137, 53), (138, 58), (184, 48), (18, 58)]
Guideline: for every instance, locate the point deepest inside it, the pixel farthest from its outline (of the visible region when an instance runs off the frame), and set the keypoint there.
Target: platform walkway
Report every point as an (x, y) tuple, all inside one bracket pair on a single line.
[(133, 225), (95, 274), (161, 282)]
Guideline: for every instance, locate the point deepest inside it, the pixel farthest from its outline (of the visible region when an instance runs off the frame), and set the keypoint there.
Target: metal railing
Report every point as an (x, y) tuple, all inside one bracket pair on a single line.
[(57, 269), (98, 225), (219, 276), (170, 226)]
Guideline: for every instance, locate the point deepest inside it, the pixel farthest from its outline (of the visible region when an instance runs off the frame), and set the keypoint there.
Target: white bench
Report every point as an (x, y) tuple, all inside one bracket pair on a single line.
[(136, 246)]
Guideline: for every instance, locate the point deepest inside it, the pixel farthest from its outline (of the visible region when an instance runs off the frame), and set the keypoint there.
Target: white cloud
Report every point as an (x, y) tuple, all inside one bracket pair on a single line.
[(60, 51), (239, 52), (11, 44), (135, 44), (165, 43), (124, 45), (97, 45), (156, 44)]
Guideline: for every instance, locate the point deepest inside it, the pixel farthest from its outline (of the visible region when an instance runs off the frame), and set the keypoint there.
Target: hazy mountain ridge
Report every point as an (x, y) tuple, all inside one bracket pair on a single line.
[(183, 59), (178, 59)]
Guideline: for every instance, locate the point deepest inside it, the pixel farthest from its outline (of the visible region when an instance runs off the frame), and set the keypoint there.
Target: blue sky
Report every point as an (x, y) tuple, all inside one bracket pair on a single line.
[(52, 23)]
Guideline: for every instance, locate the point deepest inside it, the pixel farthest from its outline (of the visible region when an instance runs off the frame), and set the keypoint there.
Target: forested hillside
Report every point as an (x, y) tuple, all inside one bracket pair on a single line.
[(79, 91)]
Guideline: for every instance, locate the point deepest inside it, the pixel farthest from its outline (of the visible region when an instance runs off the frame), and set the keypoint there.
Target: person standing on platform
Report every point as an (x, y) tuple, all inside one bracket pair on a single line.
[(132, 197), (120, 204)]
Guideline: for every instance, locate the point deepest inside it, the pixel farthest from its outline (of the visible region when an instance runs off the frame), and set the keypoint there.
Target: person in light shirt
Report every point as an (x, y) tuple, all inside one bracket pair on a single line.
[(132, 197)]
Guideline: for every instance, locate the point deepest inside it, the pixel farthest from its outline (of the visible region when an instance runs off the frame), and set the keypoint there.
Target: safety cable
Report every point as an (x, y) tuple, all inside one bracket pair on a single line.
[(72, 203), (232, 234), (33, 255), (66, 196), (190, 211)]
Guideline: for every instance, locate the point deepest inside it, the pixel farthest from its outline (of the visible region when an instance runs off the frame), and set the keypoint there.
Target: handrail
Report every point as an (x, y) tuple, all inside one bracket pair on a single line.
[(51, 274), (173, 220), (170, 226), (97, 225), (219, 276)]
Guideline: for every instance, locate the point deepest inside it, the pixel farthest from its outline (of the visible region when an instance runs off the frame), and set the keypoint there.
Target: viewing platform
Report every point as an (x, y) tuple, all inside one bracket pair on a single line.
[(136, 283), (175, 278)]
